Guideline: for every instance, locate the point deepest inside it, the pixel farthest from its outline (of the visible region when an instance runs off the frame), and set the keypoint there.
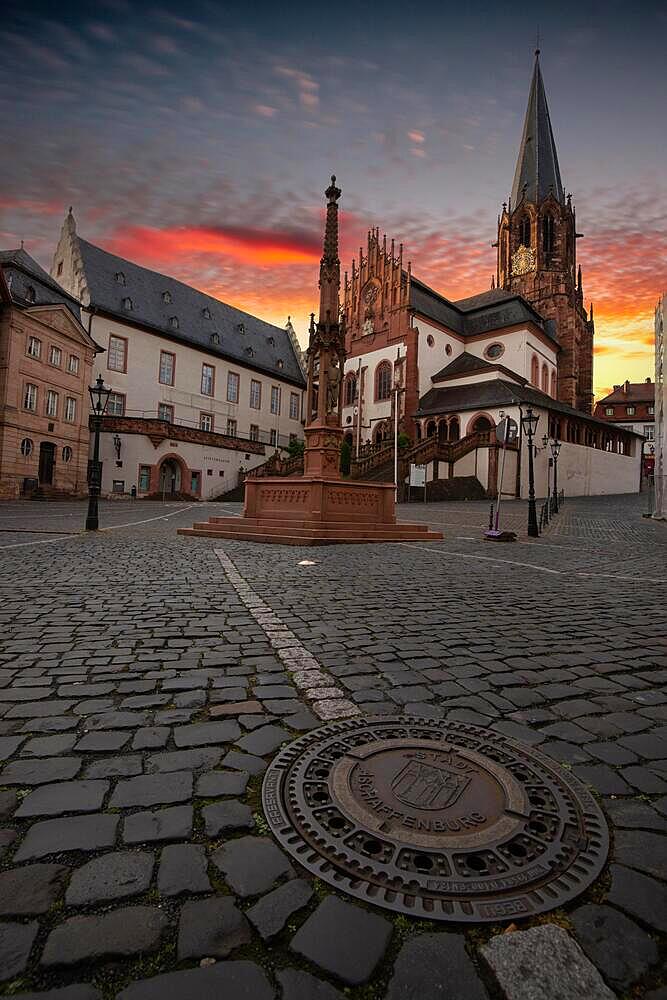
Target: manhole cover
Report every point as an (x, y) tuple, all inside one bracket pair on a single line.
[(445, 821)]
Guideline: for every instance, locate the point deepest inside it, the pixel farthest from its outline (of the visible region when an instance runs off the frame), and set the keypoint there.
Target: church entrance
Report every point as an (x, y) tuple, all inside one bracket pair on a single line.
[(170, 477), (481, 424), (47, 459)]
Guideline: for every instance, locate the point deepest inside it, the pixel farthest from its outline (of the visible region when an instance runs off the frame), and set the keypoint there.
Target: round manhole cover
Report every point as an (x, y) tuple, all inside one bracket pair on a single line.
[(445, 821)]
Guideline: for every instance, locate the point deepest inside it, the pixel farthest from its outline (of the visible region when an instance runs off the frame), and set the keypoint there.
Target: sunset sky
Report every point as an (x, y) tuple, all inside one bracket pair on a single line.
[(197, 139)]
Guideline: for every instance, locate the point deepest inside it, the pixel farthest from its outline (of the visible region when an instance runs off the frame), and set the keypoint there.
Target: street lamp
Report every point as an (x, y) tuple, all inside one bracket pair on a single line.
[(555, 451), (99, 398), (529, 422)]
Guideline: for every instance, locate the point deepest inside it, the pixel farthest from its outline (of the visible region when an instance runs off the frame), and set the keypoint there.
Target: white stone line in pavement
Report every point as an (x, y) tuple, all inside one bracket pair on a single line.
[(308, 674), (469, 555)]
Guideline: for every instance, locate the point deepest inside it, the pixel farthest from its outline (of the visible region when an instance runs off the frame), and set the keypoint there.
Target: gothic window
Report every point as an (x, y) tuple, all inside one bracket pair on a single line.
[(454, 429), (383, 381), (524, 231), (535, 371), (548, 235), (545, 379), (350, 390), (553, 384)]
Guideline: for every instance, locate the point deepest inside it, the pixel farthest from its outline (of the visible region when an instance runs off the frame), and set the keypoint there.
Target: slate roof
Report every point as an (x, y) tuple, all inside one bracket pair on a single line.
[(482, 313), (469, 364), (242, 338), (498, 392), (630, 392), (537, 173), (22, 272)]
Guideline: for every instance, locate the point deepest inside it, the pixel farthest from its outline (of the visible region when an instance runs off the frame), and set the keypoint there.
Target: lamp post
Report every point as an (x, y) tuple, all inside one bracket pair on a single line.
[(555, 450), (99, 398), (529, 423), (397, 391)]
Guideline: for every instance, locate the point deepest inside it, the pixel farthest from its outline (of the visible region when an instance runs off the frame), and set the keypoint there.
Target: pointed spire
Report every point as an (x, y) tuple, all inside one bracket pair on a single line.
[(590, 318), (579, 287), (537, 168), (330, 263)]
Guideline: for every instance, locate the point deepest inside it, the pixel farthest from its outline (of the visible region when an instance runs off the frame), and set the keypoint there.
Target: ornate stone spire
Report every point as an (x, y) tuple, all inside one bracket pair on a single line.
[(330, 263), (537, 174)]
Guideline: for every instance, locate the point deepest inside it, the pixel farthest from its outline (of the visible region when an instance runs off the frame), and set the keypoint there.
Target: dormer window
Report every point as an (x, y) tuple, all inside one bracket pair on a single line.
[(206, 312), (127, 303), (215, 339), (271, 341), (173, 322), (249, 351), (120, 278), (280, 363), (30, 293), (241, 327), (166, 296)]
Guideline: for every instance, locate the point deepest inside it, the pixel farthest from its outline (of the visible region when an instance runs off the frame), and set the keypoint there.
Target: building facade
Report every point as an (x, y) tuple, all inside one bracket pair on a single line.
[(200, 391), (631, 405), (452, 369), (46, 360), (660, 463)]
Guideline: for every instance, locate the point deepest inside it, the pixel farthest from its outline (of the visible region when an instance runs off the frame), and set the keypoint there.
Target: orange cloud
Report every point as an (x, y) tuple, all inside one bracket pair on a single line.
[(257, 247)]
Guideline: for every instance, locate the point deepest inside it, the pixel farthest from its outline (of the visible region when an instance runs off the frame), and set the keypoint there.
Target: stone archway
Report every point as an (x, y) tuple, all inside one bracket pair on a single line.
[(172, 476), (480, 422)]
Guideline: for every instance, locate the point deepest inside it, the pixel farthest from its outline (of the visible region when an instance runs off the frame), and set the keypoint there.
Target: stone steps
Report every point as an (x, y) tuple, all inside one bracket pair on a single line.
[(301, 532)]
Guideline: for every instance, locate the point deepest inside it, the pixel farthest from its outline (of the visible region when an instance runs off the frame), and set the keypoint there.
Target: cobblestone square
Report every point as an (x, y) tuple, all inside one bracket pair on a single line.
[(147, 680)]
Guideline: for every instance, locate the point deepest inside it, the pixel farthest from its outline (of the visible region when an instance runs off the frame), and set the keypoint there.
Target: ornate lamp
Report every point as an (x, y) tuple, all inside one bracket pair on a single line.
[(529, 422), (99, 399)]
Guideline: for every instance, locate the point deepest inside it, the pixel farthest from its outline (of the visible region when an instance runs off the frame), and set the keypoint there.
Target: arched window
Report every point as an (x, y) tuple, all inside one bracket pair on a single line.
[(553, 384), (431, 428), (454, 429), (545, 379), (524, 231), (383, 381), (548, 234), (350, 389), (535, 371)]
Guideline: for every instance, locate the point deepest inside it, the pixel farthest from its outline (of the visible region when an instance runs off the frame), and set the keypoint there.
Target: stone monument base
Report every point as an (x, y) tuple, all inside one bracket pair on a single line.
[(314, 511)]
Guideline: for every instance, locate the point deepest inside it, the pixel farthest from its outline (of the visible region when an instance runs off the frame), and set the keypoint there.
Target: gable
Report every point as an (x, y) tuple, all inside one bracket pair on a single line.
[(58, 317)]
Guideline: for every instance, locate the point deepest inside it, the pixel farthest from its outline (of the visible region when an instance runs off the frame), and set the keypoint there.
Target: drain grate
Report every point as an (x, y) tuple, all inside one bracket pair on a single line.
[(445, 821)]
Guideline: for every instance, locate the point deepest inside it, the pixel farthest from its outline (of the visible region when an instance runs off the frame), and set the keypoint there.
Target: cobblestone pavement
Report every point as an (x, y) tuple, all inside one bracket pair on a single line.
[(146, 680)]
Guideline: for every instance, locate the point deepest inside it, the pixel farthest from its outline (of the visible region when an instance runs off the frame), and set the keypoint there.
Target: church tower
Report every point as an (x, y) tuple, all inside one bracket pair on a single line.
[(537, 255)]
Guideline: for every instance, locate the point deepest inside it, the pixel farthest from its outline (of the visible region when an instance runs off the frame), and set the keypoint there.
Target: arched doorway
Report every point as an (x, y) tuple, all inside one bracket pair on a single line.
[(480, 424), (170, 477), (381, 433)]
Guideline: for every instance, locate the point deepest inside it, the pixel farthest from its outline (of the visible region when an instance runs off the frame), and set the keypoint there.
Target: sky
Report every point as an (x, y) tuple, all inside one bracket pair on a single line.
[(197, 139)]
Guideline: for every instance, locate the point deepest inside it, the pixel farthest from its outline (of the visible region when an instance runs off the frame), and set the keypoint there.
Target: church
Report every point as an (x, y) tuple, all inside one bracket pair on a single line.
[(450, 370)]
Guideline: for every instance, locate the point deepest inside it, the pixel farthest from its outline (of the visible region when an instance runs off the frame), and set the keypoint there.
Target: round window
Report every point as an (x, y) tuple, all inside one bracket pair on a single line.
[(67, 453), (448, 349), (26, 447), (430, 340), (494, 351)]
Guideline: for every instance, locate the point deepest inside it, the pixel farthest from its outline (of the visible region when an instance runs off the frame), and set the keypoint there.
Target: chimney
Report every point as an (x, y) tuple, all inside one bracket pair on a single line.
[(626, 387), (648, 380), (616, 388)]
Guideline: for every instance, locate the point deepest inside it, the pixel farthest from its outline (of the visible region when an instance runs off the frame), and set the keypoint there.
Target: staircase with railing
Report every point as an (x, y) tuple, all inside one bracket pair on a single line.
[(375, 462)]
